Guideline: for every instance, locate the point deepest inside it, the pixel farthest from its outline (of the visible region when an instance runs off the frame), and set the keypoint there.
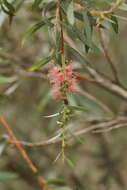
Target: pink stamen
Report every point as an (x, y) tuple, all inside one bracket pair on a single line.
[(58, 78)]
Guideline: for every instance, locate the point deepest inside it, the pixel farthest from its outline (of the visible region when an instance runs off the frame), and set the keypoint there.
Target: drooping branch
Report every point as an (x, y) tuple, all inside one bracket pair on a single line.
[(107, 84), (108, 56), (23, 153), (104, 125)]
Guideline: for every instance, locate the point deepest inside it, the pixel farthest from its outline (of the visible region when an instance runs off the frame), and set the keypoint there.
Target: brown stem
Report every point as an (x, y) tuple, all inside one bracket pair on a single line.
[(103, 125), (108, 57), (23, 153), (98, 13), (62, 36)]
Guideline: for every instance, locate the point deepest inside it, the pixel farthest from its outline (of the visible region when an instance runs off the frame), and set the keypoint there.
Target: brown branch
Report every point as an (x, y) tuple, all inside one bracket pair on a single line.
[(99, 13), (120, 125), (104, 82), (18, 70), (61, 27), (93, 98), (107, 84), (82, 77), (108, 57), (23, 153), (10, 56), (99, 127)]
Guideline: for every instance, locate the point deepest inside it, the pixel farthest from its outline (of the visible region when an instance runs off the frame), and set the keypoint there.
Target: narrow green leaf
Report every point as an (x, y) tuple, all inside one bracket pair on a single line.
[(4, 79), (81, 58), (34, 28), (98, 3), (5, 176), (40, 63), (123, 7), (77, 138), (4, 9), (74, 32), (9, 6), (87, 27), (70, 162), (78, 15), (70, 13), (89, 104), (2, 148), (62, 188), (49, 6), (36, 4), (78, 108), (56, 182), (115, 25)]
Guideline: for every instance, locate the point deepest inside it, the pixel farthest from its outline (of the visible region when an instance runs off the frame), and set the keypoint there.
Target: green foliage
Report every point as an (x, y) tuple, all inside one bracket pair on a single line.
[(62, 188), (4, 79), (25, 100), (70, 13), (58, 182), (40, 63), (36, 3), (7, 7), (35, 28), (78, 108), (6, 176)]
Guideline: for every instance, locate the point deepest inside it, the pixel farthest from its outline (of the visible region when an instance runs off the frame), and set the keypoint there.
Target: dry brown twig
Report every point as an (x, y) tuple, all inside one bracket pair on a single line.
[(99, 13), (102, 126), (108, 56), (23, 153)]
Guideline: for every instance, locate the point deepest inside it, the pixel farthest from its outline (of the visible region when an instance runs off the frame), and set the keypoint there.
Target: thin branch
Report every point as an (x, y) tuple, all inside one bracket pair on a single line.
[(32, 74), (23, 153), (62, 34), (120, 125), (10, 56), (109, 124), (93, 98), (99, 13), (18, 70), (107, 55), (107, 84)]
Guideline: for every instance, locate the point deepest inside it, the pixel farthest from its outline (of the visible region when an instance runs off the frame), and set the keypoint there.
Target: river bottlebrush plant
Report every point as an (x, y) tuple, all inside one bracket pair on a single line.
[(75, 30)]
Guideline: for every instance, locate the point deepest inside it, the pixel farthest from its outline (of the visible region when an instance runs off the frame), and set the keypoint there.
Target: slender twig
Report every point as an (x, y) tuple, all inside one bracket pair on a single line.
[(107, 84), (96, 12), (111, 128), (10, 56), (93, 98), (61, 28), (61, 33), (107, 55), (23, 153), (99, 127)]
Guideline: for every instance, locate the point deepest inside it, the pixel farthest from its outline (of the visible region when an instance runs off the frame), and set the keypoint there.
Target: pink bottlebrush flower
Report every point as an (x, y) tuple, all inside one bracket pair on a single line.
[(59, 78), (68, 71), (56, 93), (53, 73), (72, 85)]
